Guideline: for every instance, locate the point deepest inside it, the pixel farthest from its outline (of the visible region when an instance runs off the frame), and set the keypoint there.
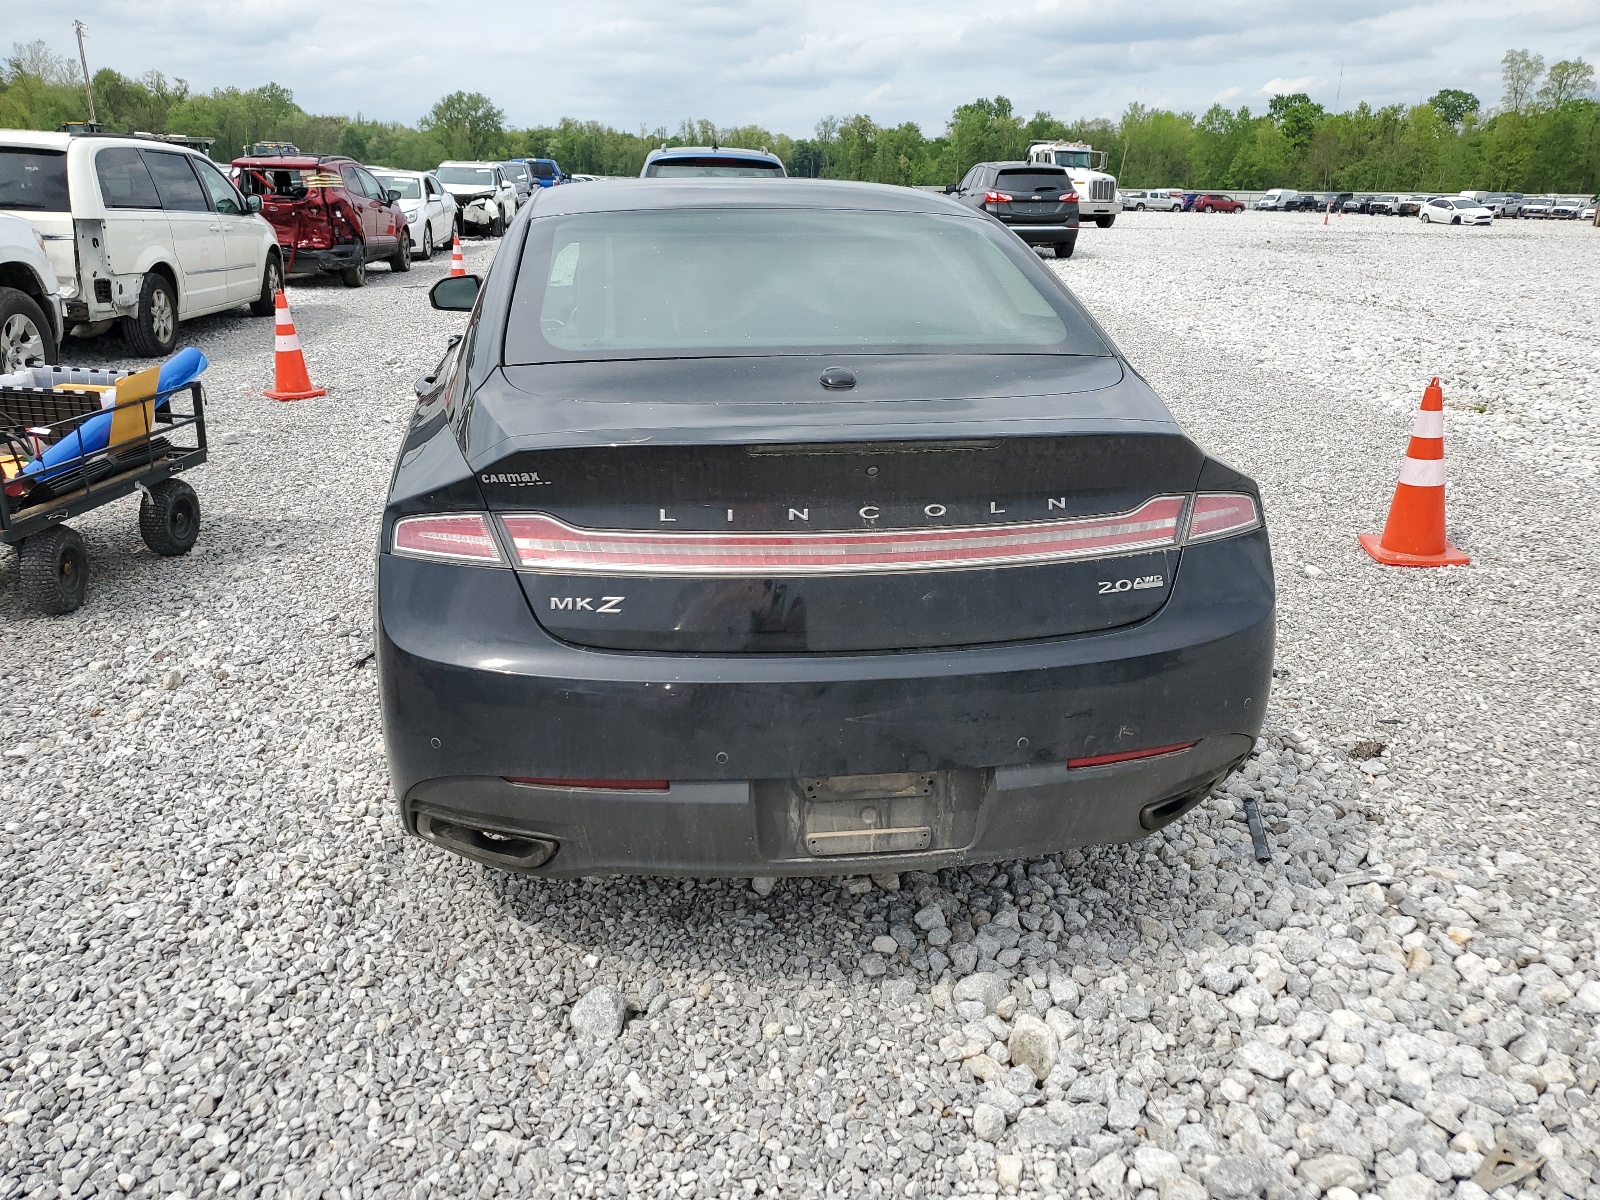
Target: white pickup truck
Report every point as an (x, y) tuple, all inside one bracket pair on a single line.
[(1097, 191), (30, 299)]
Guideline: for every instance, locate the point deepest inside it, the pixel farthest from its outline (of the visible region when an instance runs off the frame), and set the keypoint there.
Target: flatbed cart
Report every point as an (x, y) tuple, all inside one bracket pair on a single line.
[(152, 440)]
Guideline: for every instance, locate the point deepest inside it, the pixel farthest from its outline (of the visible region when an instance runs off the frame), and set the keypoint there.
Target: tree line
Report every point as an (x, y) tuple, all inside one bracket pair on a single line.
[(1543, 136)]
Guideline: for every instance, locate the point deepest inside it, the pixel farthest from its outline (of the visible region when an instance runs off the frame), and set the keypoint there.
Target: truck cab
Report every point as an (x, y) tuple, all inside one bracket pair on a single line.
[(1097, 191)]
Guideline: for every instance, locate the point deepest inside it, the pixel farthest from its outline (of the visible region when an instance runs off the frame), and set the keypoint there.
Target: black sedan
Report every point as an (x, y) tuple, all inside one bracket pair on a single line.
[(1036, 201), (801, 528)]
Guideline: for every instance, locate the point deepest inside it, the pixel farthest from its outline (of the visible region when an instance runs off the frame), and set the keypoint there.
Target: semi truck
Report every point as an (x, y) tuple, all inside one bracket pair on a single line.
[(1097, 191)]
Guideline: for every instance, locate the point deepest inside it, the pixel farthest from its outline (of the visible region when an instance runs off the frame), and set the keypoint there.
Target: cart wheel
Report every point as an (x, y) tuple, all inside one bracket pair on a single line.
[(169, 517), (55, 570)]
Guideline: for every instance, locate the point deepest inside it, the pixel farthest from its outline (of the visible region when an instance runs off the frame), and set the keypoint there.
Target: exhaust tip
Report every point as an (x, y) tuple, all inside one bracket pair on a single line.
[(514, 851), (1164, 812)]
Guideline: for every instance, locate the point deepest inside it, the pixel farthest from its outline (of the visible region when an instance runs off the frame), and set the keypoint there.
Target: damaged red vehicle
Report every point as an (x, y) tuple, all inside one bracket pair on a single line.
[(331, 214)]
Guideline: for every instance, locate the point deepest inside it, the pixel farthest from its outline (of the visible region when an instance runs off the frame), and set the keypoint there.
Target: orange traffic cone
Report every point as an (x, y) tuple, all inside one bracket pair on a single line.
[(1414, 534), (292, 382), (458, 265)]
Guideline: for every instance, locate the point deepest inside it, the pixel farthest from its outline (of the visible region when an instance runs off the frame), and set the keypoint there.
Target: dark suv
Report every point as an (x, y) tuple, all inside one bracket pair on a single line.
[(331, 214), (1036, 201)]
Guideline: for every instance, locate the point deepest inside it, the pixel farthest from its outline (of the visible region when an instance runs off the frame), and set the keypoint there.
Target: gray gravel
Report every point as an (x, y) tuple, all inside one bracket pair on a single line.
[(228, 973)]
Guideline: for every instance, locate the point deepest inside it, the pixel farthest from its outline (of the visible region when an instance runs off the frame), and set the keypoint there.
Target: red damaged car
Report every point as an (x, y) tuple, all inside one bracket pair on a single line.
[(1215, 202), (331, 214)]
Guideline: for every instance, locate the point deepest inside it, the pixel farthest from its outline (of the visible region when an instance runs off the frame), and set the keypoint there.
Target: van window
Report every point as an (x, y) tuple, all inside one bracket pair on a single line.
[(223, 197), (180, 190), (124, 181), (35, 180)]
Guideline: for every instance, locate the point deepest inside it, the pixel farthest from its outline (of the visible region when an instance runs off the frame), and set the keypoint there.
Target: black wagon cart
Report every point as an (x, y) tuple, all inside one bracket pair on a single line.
[(73, 439)]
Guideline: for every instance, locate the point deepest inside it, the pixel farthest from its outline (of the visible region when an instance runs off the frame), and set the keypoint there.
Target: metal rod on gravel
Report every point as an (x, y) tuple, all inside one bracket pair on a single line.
[(1258, 831)]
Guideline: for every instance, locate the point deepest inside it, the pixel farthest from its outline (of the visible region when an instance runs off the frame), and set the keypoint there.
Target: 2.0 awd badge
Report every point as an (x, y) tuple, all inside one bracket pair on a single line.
[(1107, 586)]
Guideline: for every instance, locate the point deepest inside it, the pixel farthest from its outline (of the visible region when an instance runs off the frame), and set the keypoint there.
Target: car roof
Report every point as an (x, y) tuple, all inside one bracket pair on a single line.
[(765, 156), (398, 171), (295, 162), (54, 140), (622, 195), (1046, 168), (471, 162)]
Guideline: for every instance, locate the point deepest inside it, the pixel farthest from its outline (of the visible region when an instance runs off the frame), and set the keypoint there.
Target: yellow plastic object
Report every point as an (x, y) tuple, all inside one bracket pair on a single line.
[(84, 387), (132, 420)]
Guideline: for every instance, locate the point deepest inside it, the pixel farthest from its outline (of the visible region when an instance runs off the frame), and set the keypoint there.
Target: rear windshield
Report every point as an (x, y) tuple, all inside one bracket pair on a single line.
[(1034, 180), (460, 175), (515, 170), (707, 166), (35, 180), (409, 189), (543, 170), (770, 281), (287, 182)]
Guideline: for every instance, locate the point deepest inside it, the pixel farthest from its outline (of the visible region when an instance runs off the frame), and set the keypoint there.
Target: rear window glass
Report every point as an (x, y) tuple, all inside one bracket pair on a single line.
[(1034, 180), (765, 281), (709, 166), (124, 180), (175, 180), (543, 170), (35, 180)]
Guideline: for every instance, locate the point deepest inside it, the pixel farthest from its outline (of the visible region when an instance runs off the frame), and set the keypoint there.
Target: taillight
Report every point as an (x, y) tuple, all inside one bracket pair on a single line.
[(1219, 514), (1069, 198), (1105, 760), (452, 537), (599, 785), (543, 543), (993, 197)]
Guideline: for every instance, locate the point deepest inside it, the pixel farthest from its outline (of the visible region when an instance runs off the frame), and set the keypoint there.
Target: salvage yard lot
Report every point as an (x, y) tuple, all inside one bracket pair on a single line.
[(228, 972)]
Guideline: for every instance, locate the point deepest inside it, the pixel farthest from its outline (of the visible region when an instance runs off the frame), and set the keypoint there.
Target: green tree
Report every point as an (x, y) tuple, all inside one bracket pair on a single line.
[(467, 125), (1297, 114), (1568, 80), (1453, 105), (1520, 72)]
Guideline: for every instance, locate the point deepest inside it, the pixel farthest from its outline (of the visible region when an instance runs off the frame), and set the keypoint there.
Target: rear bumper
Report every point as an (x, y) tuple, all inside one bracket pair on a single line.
[(301, 261), (474, 691), (1045, 235)]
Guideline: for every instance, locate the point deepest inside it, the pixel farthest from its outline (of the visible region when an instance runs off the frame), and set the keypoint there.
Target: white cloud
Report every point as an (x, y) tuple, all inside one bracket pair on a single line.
[(786, 63), (1282, 87)]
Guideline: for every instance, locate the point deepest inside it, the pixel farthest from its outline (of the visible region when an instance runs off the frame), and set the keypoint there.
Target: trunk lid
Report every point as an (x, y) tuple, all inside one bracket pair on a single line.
[(943, 504)]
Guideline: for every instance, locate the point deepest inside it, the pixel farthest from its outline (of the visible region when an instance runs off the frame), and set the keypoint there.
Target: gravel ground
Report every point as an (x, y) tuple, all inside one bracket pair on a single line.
[(227, 973)]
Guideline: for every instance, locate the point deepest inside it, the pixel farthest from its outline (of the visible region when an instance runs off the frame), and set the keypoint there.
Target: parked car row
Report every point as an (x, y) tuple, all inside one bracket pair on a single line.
[(145, 231), (1178, 200)]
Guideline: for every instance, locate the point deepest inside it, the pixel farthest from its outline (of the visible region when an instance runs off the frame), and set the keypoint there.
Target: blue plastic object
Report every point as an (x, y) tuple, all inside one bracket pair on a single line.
[(93, 436)]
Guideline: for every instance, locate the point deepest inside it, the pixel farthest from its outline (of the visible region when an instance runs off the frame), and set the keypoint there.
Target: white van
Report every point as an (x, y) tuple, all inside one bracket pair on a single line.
[(139, 230), (1276, 199)]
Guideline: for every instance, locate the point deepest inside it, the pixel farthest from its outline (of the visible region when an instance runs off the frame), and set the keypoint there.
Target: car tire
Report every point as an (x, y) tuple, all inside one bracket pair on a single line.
[(355, 276), (169, 518), (497, 227), (153, 333), (1138, 208), (271, 285), (1208, 208), (427, 242), (54, 570), (27, 338), (1455, 220), (400, 262), (1065, 249), (1106, 222)]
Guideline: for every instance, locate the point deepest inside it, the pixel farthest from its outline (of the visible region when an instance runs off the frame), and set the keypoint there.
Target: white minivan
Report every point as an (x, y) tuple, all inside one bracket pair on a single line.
[(140, 230)]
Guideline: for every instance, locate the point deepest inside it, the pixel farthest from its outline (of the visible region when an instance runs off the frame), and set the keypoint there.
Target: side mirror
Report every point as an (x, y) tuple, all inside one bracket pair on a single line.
[(393, 196), (455, 293), (949, 189), (253, 203)]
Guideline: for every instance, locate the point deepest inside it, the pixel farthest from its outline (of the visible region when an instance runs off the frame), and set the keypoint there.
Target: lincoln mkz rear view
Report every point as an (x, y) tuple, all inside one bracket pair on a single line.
[(791, 527)]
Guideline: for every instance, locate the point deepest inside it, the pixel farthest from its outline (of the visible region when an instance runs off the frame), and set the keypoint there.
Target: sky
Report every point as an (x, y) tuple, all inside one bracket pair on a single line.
[(783, 64)]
